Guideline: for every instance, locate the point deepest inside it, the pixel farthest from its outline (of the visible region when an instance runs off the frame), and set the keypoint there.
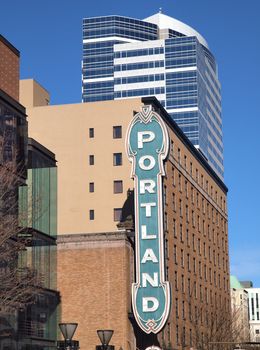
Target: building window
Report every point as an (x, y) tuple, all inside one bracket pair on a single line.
[(166, 248), (172, 148), (180, 208), (180, 183), (182, 284), (187, 214), (183, 310), (186, 188), (181, 234), (194, 265), (91, 159), (91, 214), (188, 261), (173, 202), (176, 280), (117, 132), (118, 186), (197, 175), (205, 273), (117, 214), (198, 222), (166, 221), (173, 176), (195, 290), (182, 258), (175, 254), (203, 228), (188, 237), (164, 195), (193, 218), (168, 332), (191, 169), (117, 159), (183, 335), (91, 133), (176, 307), (179, 155), (203, 205), (174, 228), (91, 187), (193, 242)]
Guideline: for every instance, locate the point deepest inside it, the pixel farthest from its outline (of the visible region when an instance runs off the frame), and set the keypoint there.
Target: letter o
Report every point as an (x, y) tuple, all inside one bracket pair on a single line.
[(146, 167)]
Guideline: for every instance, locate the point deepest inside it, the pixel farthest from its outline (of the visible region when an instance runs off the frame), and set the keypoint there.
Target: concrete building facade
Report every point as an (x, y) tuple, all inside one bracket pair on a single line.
[(254, 313), (240, 310)]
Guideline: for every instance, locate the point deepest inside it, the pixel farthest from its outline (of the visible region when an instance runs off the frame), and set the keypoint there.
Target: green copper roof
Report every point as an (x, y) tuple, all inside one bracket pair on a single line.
[(234, 283)]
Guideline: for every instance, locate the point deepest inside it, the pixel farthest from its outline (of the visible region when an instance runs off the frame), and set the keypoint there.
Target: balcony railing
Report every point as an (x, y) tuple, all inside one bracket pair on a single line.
[(31, 329)]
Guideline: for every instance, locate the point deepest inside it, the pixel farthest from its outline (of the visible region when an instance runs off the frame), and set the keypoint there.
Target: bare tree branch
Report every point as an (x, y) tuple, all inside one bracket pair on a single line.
[(19, 283)]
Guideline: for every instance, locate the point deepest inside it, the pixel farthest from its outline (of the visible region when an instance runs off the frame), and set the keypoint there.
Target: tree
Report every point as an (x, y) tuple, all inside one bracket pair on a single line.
[(215, 326), (18, 284)]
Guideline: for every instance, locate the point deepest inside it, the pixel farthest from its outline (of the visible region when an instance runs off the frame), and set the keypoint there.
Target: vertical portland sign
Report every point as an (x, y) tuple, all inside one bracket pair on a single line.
[(147, 144)]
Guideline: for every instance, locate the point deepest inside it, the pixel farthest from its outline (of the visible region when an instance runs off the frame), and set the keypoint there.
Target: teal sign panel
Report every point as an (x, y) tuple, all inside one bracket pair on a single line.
[(147, 144)]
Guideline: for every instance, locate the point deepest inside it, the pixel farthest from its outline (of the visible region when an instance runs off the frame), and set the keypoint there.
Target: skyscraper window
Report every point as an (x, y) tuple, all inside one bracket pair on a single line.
[(130, 59)]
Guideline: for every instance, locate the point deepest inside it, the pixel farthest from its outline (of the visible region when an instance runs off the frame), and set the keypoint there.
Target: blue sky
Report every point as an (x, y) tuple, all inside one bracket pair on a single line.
[(48, 34)]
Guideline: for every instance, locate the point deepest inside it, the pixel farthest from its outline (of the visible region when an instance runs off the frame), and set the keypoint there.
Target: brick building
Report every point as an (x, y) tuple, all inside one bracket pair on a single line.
[(9, 68), (96, 224)]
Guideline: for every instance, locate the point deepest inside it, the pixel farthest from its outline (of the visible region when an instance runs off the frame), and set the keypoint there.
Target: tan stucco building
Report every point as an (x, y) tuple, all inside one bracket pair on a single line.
[(96, 255), (240, 310)]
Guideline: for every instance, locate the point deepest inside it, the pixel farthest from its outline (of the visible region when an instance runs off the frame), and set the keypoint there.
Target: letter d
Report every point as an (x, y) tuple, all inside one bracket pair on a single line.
[(153, 307)]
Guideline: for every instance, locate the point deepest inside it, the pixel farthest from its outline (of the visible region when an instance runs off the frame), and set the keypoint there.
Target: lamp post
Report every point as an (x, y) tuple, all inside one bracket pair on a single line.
[(68, 330), (105, 336)]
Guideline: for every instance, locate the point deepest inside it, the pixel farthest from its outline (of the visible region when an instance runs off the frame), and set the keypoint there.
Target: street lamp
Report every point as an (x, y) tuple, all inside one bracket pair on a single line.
[(68, 330), (105, 336)]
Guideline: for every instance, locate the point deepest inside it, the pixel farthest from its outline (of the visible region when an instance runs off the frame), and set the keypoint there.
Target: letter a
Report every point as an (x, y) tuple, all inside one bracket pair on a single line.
[(149, 256)]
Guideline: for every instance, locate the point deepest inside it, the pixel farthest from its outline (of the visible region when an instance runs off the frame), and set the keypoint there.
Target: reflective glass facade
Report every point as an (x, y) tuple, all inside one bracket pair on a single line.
[(126, 58), (38, 216)]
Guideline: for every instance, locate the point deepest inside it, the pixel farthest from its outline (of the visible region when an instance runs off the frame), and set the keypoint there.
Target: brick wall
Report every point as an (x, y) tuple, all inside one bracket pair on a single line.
[(9, 69), (94, 279)]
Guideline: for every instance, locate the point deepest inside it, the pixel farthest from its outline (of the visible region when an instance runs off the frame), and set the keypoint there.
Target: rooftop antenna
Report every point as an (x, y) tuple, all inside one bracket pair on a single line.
[(160, 9)]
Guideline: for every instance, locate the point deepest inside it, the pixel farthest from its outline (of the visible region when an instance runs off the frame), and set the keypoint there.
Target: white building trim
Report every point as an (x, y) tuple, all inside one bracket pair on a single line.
[(138, 72), (180, 69), (150, 44), (160, 97), (108, 38), (186, 109), (137, 59), (97, 79), (136, 86), (166, 22)]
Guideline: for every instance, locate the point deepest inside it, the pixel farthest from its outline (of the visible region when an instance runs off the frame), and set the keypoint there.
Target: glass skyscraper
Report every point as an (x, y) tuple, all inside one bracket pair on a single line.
[(159, 56)]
